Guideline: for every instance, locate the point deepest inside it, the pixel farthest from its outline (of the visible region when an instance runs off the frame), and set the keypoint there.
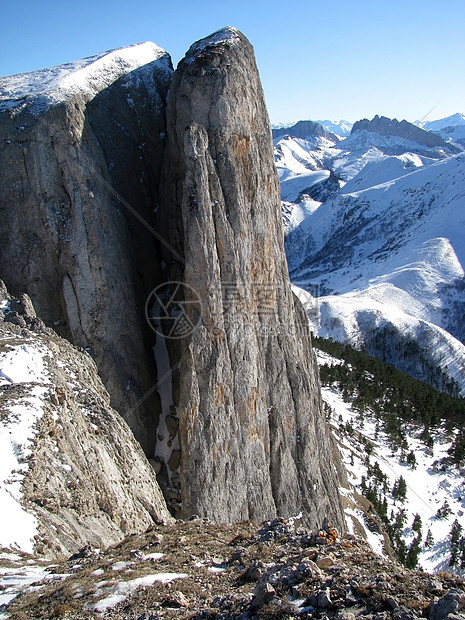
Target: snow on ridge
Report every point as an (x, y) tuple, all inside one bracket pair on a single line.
[(229, 34), (86, 77), (441, 123)]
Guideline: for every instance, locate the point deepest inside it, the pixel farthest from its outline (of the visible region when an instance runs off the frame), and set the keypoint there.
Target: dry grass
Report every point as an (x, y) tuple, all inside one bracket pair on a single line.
[(195, 547)]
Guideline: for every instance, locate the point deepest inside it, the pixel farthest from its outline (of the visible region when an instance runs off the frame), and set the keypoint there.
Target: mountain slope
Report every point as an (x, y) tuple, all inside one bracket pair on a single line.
[(71, 472), (390, 258), (389, 427)]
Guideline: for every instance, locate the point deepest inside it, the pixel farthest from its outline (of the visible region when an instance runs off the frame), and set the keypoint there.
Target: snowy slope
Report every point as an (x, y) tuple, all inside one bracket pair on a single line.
[(428, 484), (391, 257), (392, 145), (442, 123), (451, 128), (339, 128), (84, 77)]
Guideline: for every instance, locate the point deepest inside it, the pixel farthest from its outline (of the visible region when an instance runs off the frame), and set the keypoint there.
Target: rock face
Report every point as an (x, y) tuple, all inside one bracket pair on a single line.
[(253, 439), (82, 147), (79, 476), (94, 178), (392, 127)]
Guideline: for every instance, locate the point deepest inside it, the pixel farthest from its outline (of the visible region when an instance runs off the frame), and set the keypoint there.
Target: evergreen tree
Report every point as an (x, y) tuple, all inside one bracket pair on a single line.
[(455, 535), (399, 490), (399, 523), (429, 540), (455, 532), (412, 459), (444, 511), (417, 524), (411, 560)]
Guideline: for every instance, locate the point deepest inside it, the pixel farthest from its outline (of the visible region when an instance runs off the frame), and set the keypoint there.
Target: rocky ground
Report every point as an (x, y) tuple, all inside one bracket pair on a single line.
[(198, 570)]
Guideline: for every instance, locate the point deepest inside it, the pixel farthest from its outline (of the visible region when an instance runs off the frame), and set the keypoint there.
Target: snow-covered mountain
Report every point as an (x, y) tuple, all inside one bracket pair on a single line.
[(384, 250), (340, 128), (84, 77), (389, 260), (451, 128), (442, 123)]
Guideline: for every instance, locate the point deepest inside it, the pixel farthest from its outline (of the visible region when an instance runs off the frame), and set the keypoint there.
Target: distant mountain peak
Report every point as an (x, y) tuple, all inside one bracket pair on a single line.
[(448, 121), (403, 129), (305, 129), (340, 128)]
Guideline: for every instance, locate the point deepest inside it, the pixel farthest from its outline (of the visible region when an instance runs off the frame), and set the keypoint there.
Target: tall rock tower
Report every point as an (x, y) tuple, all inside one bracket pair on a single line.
[(252, 437)]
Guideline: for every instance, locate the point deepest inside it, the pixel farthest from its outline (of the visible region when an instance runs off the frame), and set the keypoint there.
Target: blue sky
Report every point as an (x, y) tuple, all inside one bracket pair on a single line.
[(333, 59)]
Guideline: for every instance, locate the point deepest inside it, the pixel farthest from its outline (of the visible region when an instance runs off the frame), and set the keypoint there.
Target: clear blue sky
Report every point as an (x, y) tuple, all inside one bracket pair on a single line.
[(334, 59)]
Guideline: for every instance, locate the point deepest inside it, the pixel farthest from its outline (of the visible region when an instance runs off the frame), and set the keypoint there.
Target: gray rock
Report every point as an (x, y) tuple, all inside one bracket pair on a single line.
[(68, 167), (343, 614), (402, 613), (263, 594), (324, 599), (308, 568), (86, 479), (448, 604), (253, 437)]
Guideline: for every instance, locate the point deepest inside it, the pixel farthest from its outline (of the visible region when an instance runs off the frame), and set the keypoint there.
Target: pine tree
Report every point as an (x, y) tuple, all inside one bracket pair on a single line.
[(412, 459), (363, 485), (411, 560), (444, 511), (429, 540), (399, 490), (401, 518), (417, 524), (455, 534)]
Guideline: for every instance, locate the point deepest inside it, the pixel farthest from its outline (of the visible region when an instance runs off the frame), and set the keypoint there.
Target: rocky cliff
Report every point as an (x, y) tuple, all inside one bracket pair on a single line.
[(403, 129), (81, 147), (253, 438), (71, 472), (102, 202)]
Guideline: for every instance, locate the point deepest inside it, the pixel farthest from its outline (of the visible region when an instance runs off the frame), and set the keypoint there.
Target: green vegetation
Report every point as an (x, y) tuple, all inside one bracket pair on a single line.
[(395, 399), (400, 406), (457, 546)]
